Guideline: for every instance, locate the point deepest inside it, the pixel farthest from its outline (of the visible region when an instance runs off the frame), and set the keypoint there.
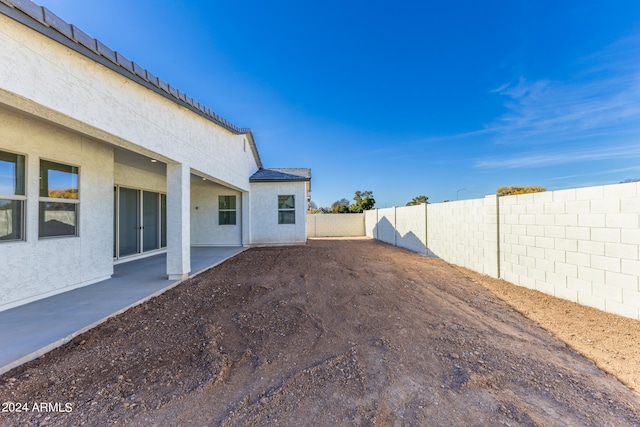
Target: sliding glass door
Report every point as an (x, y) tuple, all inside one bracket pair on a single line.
[(140, 221), (150, 221), (129, 222)]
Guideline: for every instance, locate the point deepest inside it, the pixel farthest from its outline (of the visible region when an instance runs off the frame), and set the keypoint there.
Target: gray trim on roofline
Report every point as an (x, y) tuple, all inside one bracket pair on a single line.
[(45, 22), (281, 180)]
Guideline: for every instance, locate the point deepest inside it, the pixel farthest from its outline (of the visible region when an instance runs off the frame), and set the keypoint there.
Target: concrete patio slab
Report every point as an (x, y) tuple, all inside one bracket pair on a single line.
[(33, 329)]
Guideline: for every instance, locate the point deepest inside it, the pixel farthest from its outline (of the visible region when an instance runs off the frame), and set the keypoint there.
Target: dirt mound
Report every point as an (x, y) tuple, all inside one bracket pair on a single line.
[(332, 333)]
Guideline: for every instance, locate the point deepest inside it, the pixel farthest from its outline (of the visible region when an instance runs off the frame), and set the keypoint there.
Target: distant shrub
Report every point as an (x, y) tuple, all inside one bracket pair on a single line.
[(418, 200), (509, 191)]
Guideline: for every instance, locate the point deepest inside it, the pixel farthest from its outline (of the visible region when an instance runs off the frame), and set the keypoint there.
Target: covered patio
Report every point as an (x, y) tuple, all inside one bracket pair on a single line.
[(32, 329)]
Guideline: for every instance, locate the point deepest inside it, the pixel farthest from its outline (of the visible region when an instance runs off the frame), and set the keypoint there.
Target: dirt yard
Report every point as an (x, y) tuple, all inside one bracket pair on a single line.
[(338, 333)]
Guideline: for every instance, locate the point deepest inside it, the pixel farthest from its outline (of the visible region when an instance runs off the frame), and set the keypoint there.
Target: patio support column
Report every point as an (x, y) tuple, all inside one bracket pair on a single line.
[(178, 221), (246, 218)]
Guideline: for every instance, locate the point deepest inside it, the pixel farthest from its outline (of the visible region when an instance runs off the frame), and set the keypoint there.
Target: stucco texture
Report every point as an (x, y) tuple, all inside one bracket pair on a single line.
[(37, 266), (264, 213), (93, 99)]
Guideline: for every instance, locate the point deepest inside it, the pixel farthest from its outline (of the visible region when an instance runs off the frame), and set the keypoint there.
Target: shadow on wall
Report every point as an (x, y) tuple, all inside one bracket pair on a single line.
[(386, 232)]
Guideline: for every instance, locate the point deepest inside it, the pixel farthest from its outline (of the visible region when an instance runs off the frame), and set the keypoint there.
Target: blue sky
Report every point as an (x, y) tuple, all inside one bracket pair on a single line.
[(403, 98)]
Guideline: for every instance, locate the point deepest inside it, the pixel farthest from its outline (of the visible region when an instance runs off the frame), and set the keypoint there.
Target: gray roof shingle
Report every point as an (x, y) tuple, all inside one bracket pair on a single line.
[(281, 175)]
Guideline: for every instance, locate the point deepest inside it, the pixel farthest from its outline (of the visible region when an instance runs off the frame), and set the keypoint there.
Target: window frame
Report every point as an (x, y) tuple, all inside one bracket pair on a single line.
[(44, 200), (20, 199), (282, 198), (224, 211)]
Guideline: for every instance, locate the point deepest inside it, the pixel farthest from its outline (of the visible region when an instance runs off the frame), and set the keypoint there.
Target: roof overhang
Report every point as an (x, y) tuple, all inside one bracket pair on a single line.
[(45, 22)]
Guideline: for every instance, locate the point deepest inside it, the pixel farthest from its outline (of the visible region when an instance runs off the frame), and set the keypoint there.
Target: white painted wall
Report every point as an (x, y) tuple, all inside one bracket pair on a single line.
[(95, 109), (205, 230), (464, 233), (52, 82), (335, 225), (130, 177), (384, 229), (370, 221), (581, 244), (400, 226), (265, 229), (83, 95), (411, 226), (36, 267)]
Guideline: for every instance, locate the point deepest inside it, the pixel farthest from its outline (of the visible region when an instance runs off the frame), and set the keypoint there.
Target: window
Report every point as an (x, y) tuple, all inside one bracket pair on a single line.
[(58, 200), (286, 210), (12, 196), (227, 210)]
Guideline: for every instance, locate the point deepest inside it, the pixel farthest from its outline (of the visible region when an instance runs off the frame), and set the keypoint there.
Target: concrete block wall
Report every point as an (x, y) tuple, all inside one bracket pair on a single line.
[(370, 221), (405, 227), (465, 233), (385, 228), (580, 244), (411, 228), (335, 225)]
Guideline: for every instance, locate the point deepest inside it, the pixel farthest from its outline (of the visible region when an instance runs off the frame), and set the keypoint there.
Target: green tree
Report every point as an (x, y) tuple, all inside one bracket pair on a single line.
[(418, 200), (363, 201), (340, 206), (509, 191)]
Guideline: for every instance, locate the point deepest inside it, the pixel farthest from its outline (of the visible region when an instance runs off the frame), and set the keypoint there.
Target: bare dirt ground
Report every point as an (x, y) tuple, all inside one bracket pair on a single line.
[(611, 341), (338, 332)]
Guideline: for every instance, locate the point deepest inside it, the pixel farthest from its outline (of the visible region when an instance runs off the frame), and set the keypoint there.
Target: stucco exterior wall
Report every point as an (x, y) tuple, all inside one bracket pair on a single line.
[(83, 95), (205, 229), (130, 177), (36, 267), (57, 104), (265, 229), (335, 225)]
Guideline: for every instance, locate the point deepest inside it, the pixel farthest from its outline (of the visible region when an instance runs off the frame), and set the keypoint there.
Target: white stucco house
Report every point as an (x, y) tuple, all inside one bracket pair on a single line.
[(102, 162)]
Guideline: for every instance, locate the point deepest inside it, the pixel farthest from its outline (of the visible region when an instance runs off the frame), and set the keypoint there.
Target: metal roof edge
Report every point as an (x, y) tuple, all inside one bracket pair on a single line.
[(254, 147)]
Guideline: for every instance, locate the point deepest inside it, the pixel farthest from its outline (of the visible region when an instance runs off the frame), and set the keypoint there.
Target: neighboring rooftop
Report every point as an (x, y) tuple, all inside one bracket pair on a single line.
[(42, 20), (281, 175)]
